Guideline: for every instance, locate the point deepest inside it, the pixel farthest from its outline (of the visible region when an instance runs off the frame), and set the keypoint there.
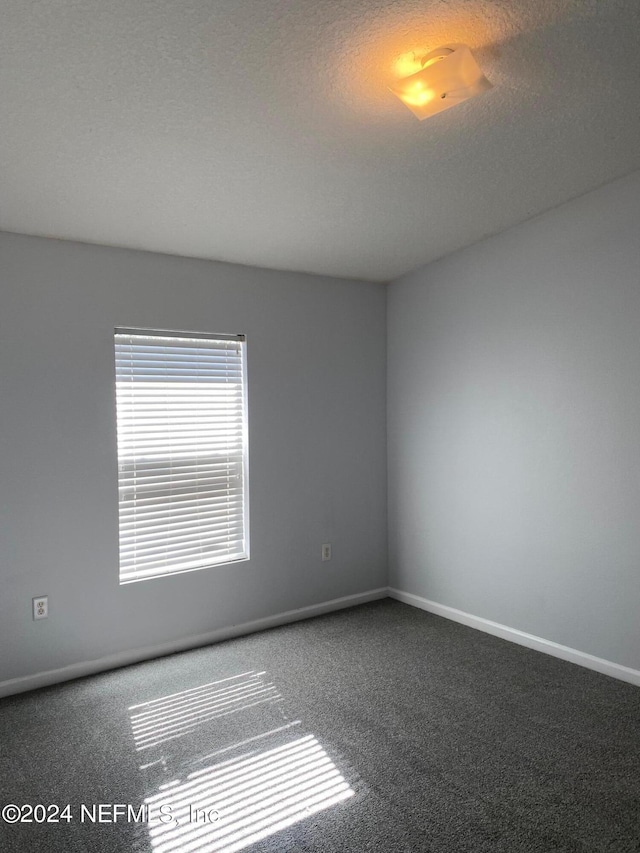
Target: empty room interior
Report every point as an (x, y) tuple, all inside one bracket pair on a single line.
[(320, 426)]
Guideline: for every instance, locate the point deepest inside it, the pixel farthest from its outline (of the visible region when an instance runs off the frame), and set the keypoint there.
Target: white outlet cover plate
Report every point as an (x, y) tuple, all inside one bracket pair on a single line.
[(41, 607)]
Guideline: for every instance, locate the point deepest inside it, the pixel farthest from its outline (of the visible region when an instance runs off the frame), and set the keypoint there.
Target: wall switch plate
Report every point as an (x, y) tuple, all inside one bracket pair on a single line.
[(326, 552), (41, 607)]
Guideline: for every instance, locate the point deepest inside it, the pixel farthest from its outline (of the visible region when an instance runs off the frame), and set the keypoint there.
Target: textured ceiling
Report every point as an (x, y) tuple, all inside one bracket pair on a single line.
[(263, 132)]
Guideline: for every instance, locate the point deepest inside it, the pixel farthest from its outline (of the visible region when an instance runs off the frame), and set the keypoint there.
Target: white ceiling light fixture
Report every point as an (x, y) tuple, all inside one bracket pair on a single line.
[(449, 76)]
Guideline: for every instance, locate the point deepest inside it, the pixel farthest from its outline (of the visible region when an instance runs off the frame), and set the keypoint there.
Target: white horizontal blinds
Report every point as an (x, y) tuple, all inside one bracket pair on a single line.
[(181, 452)]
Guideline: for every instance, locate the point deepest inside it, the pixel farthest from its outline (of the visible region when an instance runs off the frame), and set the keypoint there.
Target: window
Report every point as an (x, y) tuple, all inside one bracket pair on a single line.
[(182, 451)]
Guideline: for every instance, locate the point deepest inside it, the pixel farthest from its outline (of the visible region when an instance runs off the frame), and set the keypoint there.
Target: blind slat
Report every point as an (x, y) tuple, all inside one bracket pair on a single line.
[(160, 508), (184, 541)]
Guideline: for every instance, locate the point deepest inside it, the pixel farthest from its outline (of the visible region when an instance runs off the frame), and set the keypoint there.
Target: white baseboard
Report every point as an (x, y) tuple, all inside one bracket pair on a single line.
[(606, 667), (82, 668)]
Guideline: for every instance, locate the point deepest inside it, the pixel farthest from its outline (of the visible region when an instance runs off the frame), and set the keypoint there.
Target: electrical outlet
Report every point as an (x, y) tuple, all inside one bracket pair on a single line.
[(326, 552), (41, 607)]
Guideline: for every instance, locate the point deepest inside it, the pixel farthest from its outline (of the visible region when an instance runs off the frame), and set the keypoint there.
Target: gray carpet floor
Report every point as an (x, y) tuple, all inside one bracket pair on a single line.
[(379, 728)]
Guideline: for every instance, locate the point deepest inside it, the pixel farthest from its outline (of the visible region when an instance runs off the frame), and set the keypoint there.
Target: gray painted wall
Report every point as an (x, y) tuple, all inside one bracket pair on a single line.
[(316, 368), (514, 427)]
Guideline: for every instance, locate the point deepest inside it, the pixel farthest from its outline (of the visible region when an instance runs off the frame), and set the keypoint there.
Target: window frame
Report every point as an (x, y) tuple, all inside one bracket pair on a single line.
[(178, 335)]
